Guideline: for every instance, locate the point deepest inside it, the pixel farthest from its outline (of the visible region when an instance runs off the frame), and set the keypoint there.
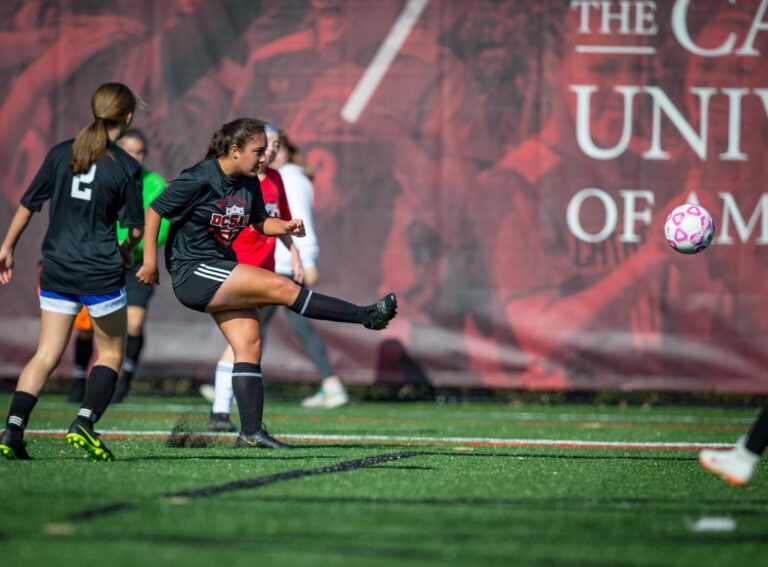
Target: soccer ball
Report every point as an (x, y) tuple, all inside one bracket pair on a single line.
[(689, 228)]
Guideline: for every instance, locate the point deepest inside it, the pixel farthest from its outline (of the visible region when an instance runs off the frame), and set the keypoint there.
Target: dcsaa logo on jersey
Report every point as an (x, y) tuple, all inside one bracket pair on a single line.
[(231, 222)]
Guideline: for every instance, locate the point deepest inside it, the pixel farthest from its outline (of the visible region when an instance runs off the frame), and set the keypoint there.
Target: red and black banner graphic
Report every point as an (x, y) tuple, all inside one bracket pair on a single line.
[(505, 166)]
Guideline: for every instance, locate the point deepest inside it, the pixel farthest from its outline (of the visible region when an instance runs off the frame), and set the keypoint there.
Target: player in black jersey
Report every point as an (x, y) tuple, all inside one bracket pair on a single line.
[(90, 183), (208, 205)]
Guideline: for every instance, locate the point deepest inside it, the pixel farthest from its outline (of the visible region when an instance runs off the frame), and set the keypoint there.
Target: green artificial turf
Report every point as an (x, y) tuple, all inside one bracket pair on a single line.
[(383, 501)]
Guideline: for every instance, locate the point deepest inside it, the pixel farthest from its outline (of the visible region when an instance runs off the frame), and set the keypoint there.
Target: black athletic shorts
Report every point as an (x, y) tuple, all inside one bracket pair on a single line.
[(138, 293), (206, 279)]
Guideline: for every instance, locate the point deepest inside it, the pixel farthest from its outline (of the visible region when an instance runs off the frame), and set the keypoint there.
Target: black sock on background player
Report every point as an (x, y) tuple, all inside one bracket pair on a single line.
[(133, 347), (83, 354)]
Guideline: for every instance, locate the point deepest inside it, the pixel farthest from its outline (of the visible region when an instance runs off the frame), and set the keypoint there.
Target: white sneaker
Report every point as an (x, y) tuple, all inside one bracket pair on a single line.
[(325, 399), (735, 466), (208, 392)]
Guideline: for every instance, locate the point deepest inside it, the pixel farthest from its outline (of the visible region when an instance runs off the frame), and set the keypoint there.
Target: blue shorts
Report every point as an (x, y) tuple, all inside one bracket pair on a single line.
[(70, 303)]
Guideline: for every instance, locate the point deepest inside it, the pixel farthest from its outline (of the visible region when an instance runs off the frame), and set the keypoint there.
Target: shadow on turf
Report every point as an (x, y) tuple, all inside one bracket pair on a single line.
[(250, 483)]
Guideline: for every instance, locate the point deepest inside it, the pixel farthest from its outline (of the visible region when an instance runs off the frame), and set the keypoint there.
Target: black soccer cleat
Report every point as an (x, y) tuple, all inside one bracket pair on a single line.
[(382, 312), (220, 423), (13, 447), (260, 439), (81, 434)]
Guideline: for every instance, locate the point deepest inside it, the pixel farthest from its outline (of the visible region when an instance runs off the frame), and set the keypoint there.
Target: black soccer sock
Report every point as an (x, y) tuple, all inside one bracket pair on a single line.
[(249, 393), (98, 393), (22, 404), (83, 353), (133, 346), (757, 440), (318, 306)]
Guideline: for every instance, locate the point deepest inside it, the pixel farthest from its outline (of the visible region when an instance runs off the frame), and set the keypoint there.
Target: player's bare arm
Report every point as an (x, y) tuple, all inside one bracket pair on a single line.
[(18, 224), (148, 274), (127, 246), (279, 227)]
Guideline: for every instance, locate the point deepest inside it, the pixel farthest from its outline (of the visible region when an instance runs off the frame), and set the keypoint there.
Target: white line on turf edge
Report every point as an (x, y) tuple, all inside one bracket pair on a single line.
[(378, 67), (500, 442)]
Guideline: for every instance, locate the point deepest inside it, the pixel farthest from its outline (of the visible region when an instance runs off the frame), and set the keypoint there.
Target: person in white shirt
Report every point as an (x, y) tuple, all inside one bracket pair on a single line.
[(299, 190)]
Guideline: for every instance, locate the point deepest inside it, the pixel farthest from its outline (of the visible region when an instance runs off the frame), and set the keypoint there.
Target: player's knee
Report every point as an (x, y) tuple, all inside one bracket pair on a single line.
[(113, 360), (47, 360), (135, 329), (286, 291), (247, 347)]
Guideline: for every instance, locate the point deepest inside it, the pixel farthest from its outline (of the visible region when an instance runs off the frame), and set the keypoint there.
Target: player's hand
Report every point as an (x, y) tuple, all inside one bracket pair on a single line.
[(148, 274), (6, 265), (295, 227)]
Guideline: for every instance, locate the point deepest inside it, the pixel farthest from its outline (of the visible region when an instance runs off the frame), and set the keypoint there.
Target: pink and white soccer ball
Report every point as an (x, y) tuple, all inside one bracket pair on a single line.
[(689, 228)]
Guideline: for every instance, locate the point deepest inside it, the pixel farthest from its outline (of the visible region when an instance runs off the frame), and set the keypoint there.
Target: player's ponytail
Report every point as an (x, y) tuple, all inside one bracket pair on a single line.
[(111, 104), (236, 133)]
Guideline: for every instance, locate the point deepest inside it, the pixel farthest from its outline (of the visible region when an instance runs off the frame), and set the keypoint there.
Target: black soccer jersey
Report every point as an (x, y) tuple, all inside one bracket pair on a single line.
[(207, 210), (80, 249)]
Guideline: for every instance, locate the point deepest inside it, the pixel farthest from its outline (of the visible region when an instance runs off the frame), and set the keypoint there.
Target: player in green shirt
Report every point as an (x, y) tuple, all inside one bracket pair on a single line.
[(134, 142)]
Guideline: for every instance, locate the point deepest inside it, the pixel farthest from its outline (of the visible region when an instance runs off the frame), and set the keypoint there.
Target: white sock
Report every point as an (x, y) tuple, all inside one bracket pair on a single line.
[(222, 401)]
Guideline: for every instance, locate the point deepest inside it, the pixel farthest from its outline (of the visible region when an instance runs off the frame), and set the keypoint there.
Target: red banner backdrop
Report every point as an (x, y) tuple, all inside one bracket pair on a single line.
[(504, 166)]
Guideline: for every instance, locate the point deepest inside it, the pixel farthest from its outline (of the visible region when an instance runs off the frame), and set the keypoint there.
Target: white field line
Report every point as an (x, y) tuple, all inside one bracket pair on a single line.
[(378, 67), (405, 412), (395, 439)]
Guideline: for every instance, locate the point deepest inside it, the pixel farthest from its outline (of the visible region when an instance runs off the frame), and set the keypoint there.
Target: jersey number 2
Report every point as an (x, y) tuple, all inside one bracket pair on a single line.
[(83, 179)]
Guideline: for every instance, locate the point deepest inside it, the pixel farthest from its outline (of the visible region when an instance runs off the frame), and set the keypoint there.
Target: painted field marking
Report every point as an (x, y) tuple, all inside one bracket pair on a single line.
[(378, 67), (408, 440)]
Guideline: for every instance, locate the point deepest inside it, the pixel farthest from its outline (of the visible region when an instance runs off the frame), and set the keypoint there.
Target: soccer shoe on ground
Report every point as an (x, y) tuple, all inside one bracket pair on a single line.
[(77, 391), (735, 466), (220, 422), (208, 392), (326, 399), (260, 439), (13, 447), (382, 312), (81, 434)]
